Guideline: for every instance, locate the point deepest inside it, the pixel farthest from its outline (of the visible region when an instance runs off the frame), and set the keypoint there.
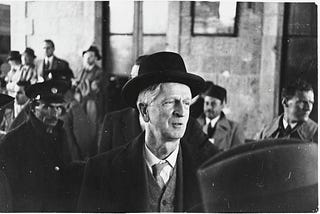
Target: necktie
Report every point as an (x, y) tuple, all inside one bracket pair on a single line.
[(156, 169), (210, 130), (285, 132), (47, 65)]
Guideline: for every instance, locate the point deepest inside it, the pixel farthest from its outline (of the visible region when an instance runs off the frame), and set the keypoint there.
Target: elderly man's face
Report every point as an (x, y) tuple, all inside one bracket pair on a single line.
[(48, 49), (299, 107), (212, 107), (49, 113), (169, 111)]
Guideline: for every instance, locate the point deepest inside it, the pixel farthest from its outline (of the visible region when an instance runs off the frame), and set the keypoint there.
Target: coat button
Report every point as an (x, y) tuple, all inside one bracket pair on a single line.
[(56, 168)]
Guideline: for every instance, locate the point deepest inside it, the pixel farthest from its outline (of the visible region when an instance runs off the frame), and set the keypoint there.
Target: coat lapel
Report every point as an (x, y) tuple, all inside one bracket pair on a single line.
[(129, 171), (221, 134)]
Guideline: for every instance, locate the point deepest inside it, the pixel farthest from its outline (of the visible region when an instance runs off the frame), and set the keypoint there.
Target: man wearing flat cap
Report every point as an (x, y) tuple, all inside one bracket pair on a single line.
[(222, 132), (156, 172), (294, 123), (35, 156)]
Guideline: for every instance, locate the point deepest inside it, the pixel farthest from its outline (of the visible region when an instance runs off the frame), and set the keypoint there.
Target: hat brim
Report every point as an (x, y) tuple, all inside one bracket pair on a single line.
[(96, 53), (133, 87)]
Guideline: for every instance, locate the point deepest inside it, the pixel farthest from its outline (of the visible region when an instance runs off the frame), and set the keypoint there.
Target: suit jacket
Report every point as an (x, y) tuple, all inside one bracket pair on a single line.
[(36, 164), (57, 64), (115, 181), (227, 133), (307, 131), (121, 127)]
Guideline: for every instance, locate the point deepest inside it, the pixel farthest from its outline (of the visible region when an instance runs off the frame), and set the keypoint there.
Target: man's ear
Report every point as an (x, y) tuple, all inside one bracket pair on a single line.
[(284, 102), (144, 111)]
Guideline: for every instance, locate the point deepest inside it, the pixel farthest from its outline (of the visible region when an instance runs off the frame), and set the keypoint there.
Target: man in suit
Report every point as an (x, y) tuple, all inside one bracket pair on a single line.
[(35, 157), (156, 172), (221, 131), (297, 102), (51, 62)]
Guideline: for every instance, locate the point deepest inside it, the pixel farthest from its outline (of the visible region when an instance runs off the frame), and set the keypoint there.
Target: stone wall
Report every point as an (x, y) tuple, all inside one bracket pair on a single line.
[(72, 25), (235, 62)]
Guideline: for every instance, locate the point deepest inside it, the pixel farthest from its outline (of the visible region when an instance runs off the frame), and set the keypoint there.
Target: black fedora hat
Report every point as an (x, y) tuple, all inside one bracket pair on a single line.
[(14, 55), (159, 68), (93, 49), (30, 52), (49, 91), (267, 176)]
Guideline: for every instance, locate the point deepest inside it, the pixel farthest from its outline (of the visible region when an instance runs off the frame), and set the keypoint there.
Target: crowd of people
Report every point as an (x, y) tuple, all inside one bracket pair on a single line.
[(152, 156)]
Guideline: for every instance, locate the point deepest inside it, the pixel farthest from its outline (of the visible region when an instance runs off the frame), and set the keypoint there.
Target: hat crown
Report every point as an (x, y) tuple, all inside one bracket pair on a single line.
[(216, 91), (14, 55), (162, 62)]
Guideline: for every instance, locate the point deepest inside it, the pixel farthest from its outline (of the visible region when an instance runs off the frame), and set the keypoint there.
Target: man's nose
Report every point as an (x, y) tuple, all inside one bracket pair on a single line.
[(180, 109)]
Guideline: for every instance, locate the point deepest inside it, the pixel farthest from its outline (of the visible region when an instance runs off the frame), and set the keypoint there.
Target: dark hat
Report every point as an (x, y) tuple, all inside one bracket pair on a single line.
[(49, 91), (93, 49), (216, 92), (267, 176), (5, 101), (159, 68), (30, 52), (61, 74), (14, 55)]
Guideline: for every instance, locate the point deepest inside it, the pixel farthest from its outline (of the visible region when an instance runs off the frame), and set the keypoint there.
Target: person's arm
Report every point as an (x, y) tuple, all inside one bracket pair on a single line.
[(238, 136)]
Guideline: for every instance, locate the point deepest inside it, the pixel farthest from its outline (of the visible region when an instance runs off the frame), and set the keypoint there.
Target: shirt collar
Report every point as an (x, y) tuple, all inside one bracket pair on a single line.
[(213, 121), (285, 124), (46, 59), (151, 159)]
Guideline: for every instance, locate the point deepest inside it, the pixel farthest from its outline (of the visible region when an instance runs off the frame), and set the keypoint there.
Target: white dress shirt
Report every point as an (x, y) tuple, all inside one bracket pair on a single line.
[(151, 160), (213, 121), (285, 124)]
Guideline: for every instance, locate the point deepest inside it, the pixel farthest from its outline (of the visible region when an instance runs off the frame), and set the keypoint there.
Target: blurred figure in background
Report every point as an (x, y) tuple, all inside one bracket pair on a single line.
[(120, 127), (28, 72), (14, 75), (50, 61), (221, 131), (88, 87), (297, 102), (6, 103), (196, 108)]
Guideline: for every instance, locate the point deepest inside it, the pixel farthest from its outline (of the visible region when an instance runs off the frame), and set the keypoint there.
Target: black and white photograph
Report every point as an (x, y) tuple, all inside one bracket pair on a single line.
[(150, 106)]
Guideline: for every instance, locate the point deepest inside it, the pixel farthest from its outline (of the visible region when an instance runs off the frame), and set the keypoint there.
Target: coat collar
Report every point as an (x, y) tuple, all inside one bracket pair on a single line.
[(304, 130), (130, 168)]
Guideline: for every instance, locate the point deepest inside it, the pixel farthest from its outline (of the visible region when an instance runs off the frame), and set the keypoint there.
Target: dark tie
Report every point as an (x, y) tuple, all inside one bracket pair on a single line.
[(210, 130), (156, 169), (285, 131), (47, 65)]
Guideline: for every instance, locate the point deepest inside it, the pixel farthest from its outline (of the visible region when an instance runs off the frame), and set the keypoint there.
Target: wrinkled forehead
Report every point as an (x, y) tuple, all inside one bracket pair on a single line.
[(175, 89), (211, 99)]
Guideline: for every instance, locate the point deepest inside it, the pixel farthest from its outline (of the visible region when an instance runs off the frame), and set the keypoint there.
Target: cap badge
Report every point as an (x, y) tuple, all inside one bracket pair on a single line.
[(54, 90)]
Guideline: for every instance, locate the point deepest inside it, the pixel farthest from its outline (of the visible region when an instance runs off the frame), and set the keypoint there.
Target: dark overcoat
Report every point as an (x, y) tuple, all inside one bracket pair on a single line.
[(228, 133), (121, 127), (115, 181), (36, 164), (57, 64)]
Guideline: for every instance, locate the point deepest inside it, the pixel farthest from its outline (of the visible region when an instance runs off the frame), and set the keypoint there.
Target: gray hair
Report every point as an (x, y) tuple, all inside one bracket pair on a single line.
[(149, 94)]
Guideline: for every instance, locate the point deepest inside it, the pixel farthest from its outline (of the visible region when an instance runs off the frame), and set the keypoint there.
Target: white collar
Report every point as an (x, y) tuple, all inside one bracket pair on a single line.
[(285, 124), (50, 59), (213, 121), (151, 159)]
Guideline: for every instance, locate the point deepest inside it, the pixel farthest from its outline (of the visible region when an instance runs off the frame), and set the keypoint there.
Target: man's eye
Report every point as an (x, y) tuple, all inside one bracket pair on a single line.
[(168, 102), (188, 103)]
